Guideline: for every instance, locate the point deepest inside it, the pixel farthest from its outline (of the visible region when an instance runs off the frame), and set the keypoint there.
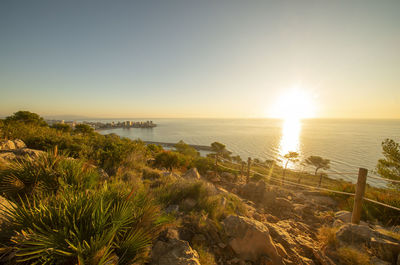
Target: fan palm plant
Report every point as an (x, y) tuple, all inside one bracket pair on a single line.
[(106, 227)]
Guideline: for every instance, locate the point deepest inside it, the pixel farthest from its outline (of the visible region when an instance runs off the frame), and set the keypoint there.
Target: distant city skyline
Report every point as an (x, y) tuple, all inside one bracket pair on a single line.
[(203, 59)]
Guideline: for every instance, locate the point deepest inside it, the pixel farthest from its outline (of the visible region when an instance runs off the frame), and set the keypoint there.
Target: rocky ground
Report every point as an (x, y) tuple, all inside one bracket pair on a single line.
[(280, 226)]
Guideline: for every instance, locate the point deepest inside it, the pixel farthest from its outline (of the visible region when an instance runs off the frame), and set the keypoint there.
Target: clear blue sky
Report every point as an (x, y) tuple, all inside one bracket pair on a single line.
[(199, 58)]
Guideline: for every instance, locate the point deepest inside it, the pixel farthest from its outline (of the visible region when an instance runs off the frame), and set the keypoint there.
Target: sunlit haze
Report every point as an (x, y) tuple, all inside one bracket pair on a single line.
[(212, 59)]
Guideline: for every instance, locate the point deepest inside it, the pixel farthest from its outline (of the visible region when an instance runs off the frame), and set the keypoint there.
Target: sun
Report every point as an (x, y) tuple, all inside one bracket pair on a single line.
[(295, 104)]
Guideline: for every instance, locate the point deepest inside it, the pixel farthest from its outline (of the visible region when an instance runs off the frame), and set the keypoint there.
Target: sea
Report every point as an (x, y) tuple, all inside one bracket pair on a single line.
[(349, 144)]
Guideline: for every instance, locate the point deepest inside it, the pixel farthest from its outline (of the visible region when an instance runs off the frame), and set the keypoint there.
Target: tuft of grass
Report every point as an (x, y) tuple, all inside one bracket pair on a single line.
[(205, 256), (151, 173), (351, 256), (327, 236), (389, 233)]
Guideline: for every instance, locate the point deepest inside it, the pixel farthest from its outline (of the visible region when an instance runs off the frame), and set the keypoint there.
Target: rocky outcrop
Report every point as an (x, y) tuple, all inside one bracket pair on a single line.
[(383, 246), (250, 239), (174, 252), (258, 193), (192, 174), (13, 149), (11, 144)]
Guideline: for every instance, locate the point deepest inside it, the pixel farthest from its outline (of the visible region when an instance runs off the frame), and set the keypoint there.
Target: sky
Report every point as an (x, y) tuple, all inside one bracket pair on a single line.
[(208, 59)]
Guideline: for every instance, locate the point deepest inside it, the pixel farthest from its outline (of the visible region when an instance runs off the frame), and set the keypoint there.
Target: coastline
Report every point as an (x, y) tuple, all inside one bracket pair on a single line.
[(170, 145)]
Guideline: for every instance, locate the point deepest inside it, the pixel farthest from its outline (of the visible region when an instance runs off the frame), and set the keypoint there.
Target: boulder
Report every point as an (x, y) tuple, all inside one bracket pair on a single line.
[(351, 234), (11, 144), (191, 174), (174, 252), (28, 152), (19, 144), (250, 239), (258, 193), (7, 145)]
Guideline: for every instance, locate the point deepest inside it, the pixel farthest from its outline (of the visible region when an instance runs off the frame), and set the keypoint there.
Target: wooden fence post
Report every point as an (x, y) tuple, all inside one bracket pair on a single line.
[(360, 190), (242, 169), (248, 170)]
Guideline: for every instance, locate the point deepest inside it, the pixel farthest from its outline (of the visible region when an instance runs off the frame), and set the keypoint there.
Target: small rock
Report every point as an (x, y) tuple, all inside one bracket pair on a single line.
[(192, 174), (222, 245), (189, 204), (174, 252), (172, 208)]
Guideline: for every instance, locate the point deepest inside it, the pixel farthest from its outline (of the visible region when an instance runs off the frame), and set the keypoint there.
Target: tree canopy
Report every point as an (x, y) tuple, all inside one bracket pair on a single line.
[(83, 128), (318, 162), (185, 149), (27, 117), (389, 166), (220, 149)]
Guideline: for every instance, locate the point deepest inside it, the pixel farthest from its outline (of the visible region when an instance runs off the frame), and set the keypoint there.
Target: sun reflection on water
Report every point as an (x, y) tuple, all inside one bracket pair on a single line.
[(290, 140)]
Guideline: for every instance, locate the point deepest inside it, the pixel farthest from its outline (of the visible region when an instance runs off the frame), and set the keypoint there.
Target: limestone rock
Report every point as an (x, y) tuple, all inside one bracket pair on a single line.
[(11, 144), (250, 239), (192, 174), (19, 144), (28, 152), (384, 247), (7, 145), (352, 234), (174, 252)]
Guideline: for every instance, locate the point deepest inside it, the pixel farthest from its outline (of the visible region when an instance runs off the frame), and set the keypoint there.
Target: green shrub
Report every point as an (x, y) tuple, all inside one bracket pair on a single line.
[(105, 227), (170, 160), (203, 164)]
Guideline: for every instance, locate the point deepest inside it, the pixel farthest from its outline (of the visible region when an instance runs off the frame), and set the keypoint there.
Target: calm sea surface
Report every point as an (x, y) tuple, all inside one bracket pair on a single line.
[(349, 144)]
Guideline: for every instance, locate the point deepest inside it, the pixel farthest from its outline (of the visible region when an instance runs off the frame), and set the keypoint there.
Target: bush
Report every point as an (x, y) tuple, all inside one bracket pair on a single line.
[(150, 173), (106, 227), (170, 160), (216, 206), (107, 151), (203, 164)]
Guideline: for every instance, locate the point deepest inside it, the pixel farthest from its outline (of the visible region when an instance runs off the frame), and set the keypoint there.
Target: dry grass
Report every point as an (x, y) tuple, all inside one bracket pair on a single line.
[(206, 258), (389, 233), (327, 236), (351, 256)]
